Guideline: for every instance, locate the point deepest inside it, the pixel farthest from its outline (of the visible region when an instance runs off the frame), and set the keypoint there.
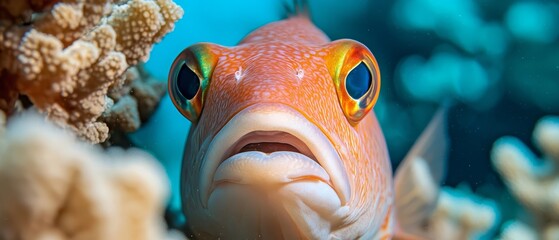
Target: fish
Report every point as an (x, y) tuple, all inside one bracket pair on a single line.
[(284, 145)]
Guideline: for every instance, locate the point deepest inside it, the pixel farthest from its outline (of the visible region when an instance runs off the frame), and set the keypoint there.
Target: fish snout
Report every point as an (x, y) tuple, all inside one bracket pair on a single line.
[(267, 144), (270, 162)]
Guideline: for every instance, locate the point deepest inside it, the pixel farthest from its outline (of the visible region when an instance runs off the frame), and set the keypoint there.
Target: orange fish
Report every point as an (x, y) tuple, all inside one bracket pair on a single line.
[(283, 144)]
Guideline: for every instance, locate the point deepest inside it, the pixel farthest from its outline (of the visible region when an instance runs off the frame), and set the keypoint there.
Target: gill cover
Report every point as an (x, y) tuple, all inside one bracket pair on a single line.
[(189, 79), (356, 76)]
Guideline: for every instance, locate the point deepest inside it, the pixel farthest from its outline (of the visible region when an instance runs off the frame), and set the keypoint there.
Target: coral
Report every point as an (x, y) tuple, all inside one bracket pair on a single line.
[(135, 101), (485, 46), (446, 213), (461, 214), (147, 91), (516, 230), (21, 10), (466, 60), (534, 182), (443, 76), (533, 21), (457, 20), (124, 114), (54, 187), (66, 58)]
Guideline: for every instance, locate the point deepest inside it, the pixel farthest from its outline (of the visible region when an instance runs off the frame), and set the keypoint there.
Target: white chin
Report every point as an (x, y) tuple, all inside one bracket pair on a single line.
[(296, 210), (281, 195)]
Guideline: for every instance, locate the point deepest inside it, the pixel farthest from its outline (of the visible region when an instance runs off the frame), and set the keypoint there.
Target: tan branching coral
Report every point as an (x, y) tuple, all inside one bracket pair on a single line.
[(53, 187), (67, 57), (463, 215), (23, 9), (151, 20), (534, 181), (517, 230), (135, 101), (124, 115)]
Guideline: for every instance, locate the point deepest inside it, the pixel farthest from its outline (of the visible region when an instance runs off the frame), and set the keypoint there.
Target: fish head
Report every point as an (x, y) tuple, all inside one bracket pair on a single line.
[(283, 143)]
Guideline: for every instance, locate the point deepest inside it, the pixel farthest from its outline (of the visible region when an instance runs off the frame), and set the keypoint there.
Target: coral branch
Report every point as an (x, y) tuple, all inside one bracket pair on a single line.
[(135, 101), (462, 215), (74, 52), (535, 182), (442, 213), (56, 188)]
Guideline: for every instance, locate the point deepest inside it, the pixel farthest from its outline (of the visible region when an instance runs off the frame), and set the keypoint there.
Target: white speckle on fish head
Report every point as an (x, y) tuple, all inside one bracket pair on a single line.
[(239, 74), (300, 74)]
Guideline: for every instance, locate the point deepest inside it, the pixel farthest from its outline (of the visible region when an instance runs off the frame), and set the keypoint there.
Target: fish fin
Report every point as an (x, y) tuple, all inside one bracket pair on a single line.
[(432, 145), (297, 8), (421, 172)]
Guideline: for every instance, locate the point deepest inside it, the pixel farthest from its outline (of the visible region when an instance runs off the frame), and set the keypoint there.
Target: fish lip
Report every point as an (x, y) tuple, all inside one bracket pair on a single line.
[(269, 137), (279, 118)]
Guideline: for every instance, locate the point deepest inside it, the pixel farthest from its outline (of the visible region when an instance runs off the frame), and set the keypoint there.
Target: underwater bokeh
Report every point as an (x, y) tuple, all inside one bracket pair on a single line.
[(496, 61)]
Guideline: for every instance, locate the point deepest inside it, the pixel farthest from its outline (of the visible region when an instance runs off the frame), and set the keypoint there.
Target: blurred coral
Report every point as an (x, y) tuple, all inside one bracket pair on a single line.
[(533, 21), (448, 213), (460, 214), (535, 182), (516, 230), (458, 21), (66, 56), (22, 10), (445, 75), (482, 48), (466, 65), (54, 187)]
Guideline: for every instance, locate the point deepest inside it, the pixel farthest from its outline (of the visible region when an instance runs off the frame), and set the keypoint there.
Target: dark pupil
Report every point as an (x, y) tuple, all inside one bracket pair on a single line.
[(358, 81), (188, 82)]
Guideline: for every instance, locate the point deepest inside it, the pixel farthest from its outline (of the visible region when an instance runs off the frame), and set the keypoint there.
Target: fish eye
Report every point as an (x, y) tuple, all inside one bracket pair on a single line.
[(190, 76), (358, 81), (356, 76), (188, 82), (185, 86)]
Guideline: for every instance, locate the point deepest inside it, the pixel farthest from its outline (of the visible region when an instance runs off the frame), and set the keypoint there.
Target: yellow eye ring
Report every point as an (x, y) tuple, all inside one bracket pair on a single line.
[(346, 57)]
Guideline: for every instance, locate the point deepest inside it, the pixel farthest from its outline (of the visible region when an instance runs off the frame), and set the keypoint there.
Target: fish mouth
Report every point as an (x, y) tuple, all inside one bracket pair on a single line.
[(269, 142), (280, 143)]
